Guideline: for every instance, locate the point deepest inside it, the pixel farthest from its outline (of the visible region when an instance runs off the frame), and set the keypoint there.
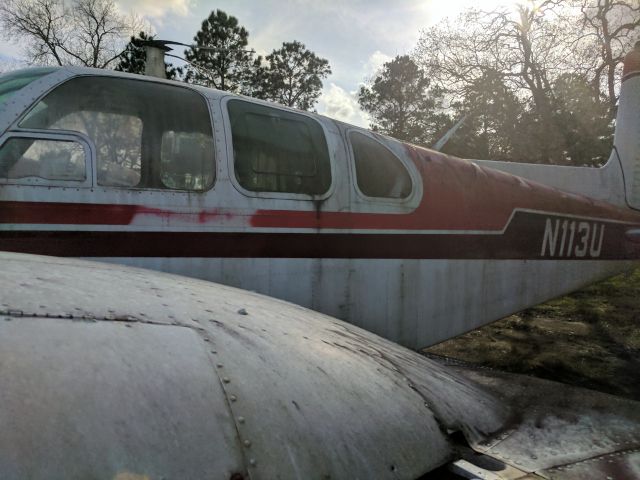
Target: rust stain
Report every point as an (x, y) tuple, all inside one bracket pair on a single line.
[(130, 476)]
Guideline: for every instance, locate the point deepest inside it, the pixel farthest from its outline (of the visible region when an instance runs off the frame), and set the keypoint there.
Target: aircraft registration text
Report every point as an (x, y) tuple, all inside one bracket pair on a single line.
[(572, 238)]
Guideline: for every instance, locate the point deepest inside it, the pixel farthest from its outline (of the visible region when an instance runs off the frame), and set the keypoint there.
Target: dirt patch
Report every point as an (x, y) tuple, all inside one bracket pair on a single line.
[(590, 339)]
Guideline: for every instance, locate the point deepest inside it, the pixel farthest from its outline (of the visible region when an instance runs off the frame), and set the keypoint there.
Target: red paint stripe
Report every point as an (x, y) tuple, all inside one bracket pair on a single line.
[(53, 213)]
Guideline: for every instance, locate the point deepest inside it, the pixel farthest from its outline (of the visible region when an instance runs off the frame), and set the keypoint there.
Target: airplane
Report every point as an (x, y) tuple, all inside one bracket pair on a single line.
[(108, 371), (406, 242)]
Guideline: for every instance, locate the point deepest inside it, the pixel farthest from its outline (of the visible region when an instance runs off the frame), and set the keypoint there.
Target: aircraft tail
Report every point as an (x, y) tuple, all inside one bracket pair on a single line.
[(627, 136)]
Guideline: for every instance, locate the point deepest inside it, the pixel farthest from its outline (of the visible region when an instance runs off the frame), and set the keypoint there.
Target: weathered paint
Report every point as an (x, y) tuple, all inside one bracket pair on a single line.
[(469, 245), (107, 369), (562, 432)]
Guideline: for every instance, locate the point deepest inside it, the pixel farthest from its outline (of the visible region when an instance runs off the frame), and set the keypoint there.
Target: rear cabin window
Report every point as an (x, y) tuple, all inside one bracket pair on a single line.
[(379, 173), (278, 151), (146, 135)]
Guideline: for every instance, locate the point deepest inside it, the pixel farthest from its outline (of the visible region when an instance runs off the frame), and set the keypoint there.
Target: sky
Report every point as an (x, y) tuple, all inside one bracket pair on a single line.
[(356, 36)]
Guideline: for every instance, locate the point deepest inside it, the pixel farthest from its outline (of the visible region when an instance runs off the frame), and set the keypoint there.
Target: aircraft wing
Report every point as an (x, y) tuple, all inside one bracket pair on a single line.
[(557, 431), (119, 373)]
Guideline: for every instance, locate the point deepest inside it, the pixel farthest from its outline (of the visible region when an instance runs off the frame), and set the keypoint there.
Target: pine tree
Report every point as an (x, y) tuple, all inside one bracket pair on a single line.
[(400, 102), (225, 62), (292, 76)]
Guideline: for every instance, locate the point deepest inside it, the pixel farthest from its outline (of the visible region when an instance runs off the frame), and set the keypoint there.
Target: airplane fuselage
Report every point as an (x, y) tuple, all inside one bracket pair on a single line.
[(431, 247)]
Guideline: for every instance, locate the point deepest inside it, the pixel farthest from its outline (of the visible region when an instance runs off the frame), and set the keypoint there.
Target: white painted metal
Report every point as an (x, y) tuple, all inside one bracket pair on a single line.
[(412, 302), (108, 370)]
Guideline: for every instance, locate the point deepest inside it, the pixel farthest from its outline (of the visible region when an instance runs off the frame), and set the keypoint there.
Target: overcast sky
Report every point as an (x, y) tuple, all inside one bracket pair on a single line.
[(356, 36)]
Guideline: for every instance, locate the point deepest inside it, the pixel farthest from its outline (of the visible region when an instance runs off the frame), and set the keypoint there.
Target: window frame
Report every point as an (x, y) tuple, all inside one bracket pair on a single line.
[(228, 136), (354, 174), (64, 136), (16, 128)]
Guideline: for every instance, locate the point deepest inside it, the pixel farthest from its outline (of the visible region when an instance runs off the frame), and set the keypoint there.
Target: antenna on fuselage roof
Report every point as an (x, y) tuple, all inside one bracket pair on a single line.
[(156, 50), (450, 133)]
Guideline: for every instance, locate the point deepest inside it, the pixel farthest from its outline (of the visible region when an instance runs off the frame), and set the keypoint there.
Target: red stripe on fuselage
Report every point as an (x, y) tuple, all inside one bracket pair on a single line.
[(52, 213)]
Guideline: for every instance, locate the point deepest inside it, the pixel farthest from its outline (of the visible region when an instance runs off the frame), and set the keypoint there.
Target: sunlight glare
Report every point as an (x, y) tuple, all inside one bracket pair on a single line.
[(439, 9)]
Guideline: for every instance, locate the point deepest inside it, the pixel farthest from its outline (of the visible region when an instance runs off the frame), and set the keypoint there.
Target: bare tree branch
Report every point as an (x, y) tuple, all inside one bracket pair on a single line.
[(90, 33)]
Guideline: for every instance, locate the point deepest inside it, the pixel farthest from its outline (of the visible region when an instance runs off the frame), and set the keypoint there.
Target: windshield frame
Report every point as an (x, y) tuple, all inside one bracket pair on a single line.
[(14, 81)]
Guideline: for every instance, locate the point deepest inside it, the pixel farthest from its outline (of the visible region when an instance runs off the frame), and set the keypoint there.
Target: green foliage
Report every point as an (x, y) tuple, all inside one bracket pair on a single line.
[(225, 63), (292, 76), (493, 114), (401, 103), (133, 58)]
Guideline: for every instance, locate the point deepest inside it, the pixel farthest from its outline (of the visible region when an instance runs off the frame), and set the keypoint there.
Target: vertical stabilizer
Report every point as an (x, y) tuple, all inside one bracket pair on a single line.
[(627, 137)]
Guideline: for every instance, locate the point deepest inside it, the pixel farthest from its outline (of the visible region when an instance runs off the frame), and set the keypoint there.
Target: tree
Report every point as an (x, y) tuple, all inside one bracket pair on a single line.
[(134, 56), (401, 103), (293, 76), (492, 116), (609, 30), (524, 48), (585, 119), (223, 60), (534, 50), (90, 33)]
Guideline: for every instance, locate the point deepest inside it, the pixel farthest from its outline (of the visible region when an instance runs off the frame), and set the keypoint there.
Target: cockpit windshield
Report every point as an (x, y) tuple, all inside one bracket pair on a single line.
[(13, 81)]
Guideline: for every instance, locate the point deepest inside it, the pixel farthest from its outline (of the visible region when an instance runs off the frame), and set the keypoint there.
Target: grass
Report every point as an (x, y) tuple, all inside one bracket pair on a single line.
[(590, 338)]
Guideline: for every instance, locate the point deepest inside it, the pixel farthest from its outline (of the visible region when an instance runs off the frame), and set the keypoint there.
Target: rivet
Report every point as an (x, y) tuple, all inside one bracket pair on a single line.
[(226, 379), (242, 311), (240, 419), (247, 443), (219, 365), (233, 398), (253, 462)]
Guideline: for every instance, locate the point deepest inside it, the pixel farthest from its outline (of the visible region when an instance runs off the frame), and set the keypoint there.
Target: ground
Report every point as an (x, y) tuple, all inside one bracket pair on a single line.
[(590, 338)]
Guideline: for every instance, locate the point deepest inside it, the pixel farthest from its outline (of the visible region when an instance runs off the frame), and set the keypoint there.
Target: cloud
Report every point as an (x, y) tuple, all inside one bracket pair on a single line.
[(156, 8), (337, 103), (374, 63)]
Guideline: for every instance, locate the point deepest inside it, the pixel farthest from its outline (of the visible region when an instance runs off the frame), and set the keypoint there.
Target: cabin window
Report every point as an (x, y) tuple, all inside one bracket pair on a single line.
[(278, 151), (39, 159), (145, 134), (118, 141), (379, 172), (182, 154)]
